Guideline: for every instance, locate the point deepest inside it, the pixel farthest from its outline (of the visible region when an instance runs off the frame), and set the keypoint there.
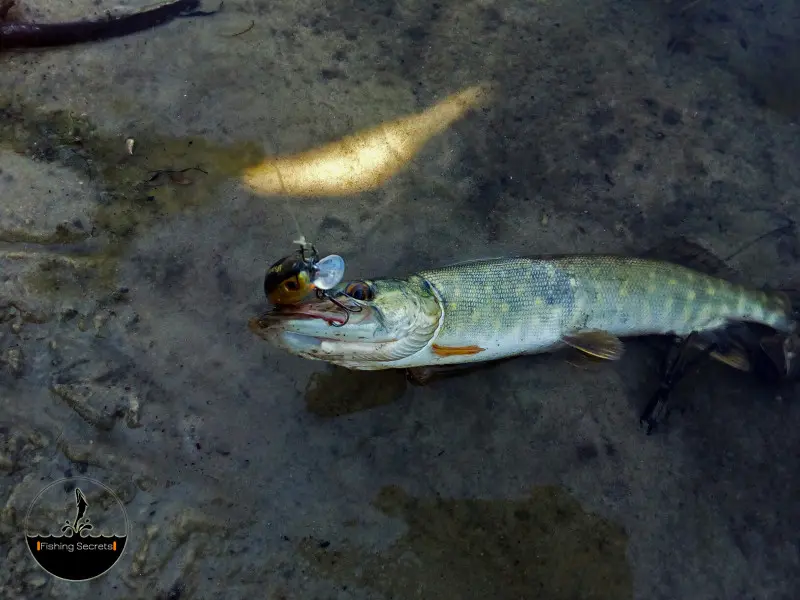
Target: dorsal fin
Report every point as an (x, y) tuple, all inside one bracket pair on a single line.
[(690, 254)]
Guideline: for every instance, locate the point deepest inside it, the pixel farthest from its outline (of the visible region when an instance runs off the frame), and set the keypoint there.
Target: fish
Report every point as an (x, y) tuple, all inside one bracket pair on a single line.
[(493, 309), (363, 160)]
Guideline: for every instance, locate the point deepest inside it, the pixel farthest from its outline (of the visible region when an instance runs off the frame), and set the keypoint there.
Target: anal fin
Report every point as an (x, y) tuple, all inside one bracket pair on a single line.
[(731, 354)]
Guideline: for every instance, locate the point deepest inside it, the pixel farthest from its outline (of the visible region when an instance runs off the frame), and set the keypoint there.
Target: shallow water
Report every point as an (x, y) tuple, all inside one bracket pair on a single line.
[(125, 354)]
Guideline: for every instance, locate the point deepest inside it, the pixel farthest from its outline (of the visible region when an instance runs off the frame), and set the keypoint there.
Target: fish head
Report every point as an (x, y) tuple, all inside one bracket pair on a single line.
[(359, 324)]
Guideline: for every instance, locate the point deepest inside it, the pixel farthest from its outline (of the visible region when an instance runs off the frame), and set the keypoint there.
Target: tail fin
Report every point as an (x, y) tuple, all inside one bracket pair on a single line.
[(783, 349), (781, 354), (789, 299), (785, 302)]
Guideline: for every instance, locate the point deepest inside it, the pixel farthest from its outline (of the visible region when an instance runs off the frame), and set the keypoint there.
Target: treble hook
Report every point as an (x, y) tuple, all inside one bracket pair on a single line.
[(346, 309), (314, 255)]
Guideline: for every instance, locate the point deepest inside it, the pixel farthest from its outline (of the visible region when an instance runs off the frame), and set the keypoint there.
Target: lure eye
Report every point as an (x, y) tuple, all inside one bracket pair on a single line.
[(360, 290), (291, 285)]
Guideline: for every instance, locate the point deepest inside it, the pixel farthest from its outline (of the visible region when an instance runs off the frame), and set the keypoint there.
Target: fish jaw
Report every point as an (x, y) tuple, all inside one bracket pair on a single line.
[(382, 333), (343, 354), (308, 329)]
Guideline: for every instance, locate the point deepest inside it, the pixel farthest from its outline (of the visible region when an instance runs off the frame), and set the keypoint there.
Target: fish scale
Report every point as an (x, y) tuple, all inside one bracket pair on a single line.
[(531, 303), (496, 303)]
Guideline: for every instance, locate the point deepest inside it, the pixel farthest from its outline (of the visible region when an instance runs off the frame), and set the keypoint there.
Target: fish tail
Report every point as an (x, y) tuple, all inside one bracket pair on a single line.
[(783, 349), (789, 300), (781, 300), (782, 309)]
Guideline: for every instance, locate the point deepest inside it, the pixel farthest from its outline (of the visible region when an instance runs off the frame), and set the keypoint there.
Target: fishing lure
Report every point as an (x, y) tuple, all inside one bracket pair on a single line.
[(294, 277)]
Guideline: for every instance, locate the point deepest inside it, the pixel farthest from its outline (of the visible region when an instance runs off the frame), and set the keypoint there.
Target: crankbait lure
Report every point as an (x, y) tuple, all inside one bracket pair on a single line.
[(293, 278)]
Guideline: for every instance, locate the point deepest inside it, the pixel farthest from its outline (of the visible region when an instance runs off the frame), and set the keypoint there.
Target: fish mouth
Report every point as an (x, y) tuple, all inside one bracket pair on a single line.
[(285, 313), (272, 325), (318, 334), (298, 319)]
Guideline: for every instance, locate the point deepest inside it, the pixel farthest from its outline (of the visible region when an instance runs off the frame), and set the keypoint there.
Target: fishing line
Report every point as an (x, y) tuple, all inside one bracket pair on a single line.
[(782, 229), (301, 239)]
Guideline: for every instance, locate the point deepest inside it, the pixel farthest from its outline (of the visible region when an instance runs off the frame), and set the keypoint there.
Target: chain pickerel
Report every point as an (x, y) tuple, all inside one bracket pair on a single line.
[(486, 310)]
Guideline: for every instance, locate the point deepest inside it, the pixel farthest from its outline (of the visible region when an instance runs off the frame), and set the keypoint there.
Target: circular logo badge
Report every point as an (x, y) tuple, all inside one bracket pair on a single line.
[(76, 529)]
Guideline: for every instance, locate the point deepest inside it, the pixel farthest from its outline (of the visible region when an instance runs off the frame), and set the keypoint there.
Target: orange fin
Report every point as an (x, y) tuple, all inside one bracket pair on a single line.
[(456, 350), (596, 343)]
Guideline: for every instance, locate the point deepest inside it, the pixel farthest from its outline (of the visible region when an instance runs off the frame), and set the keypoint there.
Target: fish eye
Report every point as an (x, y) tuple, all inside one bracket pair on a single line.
[(291, 285), (360, 290)]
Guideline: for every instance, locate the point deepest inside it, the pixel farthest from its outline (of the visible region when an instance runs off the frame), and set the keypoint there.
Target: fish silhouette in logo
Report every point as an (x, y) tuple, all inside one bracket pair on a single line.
[(80, 523)]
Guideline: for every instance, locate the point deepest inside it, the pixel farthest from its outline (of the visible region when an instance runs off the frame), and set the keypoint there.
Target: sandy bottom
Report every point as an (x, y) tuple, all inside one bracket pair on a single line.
[(246, 473)]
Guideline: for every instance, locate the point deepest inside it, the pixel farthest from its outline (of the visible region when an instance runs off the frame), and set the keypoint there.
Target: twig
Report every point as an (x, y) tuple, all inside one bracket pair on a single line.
[(690, 5), (252, 24), (173, 172)]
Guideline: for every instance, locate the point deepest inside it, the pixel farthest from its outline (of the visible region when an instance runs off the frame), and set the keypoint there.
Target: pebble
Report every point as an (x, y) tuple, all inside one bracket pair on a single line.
[(132, 418), (98, 322), (14, 360), (36, 581), (6, 464)]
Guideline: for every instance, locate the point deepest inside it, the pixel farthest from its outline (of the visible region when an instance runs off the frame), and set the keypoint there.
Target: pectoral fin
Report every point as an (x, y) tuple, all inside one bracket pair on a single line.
[(456, 350), (596, 343)]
